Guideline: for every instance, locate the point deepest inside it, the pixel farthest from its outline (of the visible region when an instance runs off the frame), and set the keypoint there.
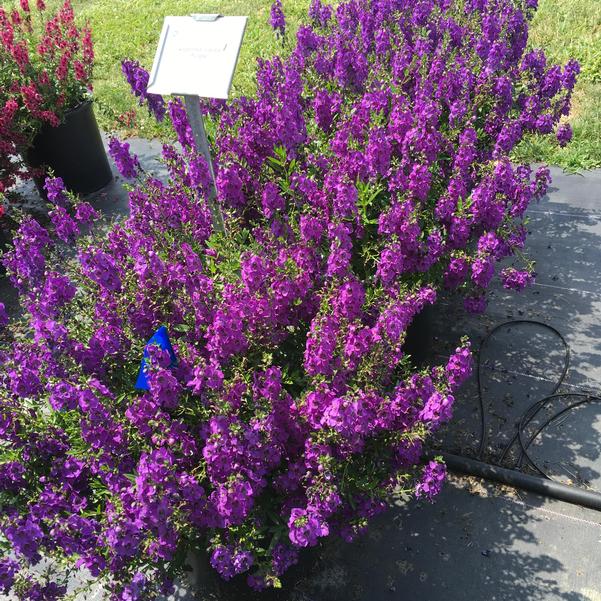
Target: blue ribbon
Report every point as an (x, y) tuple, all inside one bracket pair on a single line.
[(161, 339)]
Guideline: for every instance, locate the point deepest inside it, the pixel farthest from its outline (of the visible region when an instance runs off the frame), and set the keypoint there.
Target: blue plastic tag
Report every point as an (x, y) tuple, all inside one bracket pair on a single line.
[(161, 339)]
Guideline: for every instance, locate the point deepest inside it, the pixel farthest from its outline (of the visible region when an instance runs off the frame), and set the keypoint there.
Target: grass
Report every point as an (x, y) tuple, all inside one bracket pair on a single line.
[(130, 28), (566, 29)]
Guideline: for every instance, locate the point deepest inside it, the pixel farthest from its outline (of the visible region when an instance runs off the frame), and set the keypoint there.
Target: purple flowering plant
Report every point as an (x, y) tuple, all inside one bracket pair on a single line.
[(369, 174), (277, 19)]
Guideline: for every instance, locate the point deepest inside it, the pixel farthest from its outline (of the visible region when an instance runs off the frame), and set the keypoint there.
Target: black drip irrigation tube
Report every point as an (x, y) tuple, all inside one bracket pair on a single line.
[(520, 480), (544, 484)]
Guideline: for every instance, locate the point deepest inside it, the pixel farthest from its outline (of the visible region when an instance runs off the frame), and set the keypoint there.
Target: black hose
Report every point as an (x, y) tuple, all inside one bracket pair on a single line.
[(585, 399), (535, 407), (517, 479), (547, 485)]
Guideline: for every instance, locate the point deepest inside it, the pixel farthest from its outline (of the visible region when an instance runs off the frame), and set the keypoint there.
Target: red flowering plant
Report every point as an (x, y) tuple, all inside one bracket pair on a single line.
[(46, 63)]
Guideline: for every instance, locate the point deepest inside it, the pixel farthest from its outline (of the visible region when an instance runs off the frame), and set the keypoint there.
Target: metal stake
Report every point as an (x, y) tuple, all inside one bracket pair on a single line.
[(192, 104)]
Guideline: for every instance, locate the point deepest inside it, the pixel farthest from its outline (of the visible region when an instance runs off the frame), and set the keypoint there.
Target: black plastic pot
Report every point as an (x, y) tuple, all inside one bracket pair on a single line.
[(420, 335), (207, 585), (5, 239), (73, 151)]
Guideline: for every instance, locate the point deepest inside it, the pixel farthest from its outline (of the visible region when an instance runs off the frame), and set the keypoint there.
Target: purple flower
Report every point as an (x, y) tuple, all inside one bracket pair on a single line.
[(326, 105), (483, 270), (135, 589), (3, 316), (85, 213), (570, 74), (243, 560), (127, 164), (277, 20), (509, 136), (514, 279), (137, 77), (49, 591), (254, 273), (55, 190), (25, 537), (100, 268), (311, 228), (229, 562), (490, 244), (199, 173), (370, 170), (225, 335), (305, 527), (437, 410), (456, 272), (8, 569), (433, 476), (272, 200), (65, 227), (475, 304), (181, 125), (11, 476), (63, 396), (419, 181), (320, 13), (379, 154), (164, 387), (230, 187), (459, 366), (408, 453), (284, 556), (564, 134)]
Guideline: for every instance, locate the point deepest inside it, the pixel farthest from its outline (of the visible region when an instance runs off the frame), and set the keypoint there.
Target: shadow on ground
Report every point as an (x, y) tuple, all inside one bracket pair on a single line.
[(475, 542)]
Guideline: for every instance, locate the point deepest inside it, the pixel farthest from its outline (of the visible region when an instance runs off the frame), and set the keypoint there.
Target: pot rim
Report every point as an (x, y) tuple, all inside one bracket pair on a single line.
[(79, 107), (82, 106)]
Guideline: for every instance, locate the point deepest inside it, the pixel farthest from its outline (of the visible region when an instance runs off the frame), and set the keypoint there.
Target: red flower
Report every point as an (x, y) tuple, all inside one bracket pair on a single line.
[(80, 71), (66, 14), (63, 67), (51, 118), (32, 98), (21, 55), (44, 79), (88, 47), (8, 35), (44, 47), (52, 26), (38, 91), (10, 108)]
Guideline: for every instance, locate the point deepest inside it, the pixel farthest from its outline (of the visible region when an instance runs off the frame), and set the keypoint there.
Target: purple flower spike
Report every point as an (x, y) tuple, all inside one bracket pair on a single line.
[(277, 19), (564, 134), (55, 190), (137, 77), (433, 476), (3, 316), (127, 164)]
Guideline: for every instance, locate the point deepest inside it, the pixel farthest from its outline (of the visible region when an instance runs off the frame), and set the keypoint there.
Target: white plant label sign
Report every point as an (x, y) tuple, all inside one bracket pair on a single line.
[(197, 56)]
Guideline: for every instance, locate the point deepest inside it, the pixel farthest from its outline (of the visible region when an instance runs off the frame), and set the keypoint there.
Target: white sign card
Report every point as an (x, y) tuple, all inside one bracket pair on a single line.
[(197, 56)]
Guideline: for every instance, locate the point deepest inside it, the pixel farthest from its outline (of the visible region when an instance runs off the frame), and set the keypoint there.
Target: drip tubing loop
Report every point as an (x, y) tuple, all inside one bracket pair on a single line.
[(521, 436)]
